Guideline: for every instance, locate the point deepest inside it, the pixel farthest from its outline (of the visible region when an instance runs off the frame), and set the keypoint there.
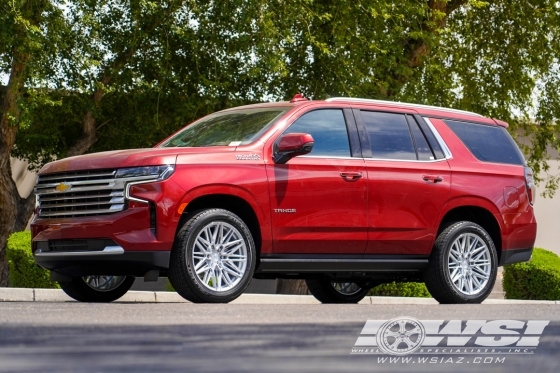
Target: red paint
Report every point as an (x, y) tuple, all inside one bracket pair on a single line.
[(343, 206)]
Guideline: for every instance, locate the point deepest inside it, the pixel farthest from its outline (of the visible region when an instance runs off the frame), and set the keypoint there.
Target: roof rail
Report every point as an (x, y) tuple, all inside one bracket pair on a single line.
[(396, 103)]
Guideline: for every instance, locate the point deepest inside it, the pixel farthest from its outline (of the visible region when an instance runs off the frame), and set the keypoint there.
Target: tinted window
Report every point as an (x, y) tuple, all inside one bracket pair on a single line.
[(424, 151), (389, 136), (487, 143), (328, 129), (230, 128)]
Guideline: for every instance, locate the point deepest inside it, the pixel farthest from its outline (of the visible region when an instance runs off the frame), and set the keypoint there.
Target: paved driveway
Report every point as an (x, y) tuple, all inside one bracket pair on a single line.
[(77, 337)]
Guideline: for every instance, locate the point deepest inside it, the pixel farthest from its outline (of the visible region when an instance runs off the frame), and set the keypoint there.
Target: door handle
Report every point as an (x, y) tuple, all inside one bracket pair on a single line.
[(351, 176), (432, 178)]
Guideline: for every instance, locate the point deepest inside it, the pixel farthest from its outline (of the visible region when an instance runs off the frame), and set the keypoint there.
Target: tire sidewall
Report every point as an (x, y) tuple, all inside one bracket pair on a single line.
[(187, 246), (350, 298), (80, 291), (481, 234)]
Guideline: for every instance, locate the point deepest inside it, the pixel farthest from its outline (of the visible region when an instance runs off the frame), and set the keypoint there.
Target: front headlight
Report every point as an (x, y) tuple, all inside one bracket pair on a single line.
[(157, 172)]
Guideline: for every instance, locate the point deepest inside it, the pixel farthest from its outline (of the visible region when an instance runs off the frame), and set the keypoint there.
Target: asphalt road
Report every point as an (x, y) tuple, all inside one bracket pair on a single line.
[(77, 337)]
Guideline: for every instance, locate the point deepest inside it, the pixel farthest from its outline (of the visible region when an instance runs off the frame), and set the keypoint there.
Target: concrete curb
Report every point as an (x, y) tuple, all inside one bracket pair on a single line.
[(56, 295)]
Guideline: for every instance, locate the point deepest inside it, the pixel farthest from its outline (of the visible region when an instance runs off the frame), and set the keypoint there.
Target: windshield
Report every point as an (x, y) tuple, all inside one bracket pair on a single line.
[(231, 128)]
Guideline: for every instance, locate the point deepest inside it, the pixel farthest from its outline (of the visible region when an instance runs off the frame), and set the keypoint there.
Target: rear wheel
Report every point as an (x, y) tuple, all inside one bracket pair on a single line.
[(463, 264), (97, 289), (327, 291), (213, 257)]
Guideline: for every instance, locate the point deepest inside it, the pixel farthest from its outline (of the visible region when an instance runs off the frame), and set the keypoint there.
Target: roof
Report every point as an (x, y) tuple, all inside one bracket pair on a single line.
[(402, 104), (423, 110)]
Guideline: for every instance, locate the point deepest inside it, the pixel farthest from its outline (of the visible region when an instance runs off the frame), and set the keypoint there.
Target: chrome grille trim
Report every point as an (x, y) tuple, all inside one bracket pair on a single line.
[(89, 193)]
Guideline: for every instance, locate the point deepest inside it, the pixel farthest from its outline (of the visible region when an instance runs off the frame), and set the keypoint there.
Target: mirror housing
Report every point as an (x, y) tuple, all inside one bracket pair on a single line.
[(292, 145)]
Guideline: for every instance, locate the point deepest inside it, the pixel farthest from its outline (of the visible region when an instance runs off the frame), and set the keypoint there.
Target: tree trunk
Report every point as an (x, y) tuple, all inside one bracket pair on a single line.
[(291, 287), (14, 210)]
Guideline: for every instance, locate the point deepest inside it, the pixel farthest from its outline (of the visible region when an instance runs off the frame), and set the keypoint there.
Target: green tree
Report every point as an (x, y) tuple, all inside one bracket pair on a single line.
[(23, 29)]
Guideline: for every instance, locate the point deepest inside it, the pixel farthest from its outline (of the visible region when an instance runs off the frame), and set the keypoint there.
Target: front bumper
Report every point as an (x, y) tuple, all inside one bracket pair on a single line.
[(112, 260)]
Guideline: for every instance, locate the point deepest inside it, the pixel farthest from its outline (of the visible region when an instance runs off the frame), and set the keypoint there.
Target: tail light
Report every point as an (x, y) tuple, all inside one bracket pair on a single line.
[(530, 184)]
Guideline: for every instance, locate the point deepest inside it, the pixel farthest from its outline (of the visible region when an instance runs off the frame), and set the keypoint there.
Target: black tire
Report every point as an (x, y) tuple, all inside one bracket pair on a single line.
[(182, 274), (80, 291), (323, 290), (437, 277)]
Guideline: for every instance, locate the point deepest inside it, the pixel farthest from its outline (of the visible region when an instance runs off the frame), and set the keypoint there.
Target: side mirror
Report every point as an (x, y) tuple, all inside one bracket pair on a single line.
[(292, 145)]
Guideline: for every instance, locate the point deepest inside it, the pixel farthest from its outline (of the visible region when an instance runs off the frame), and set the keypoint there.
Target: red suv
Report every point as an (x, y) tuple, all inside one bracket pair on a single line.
[(344, 193)]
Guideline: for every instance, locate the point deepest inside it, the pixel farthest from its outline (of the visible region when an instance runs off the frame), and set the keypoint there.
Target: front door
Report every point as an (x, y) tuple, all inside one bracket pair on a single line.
[(319, 201)]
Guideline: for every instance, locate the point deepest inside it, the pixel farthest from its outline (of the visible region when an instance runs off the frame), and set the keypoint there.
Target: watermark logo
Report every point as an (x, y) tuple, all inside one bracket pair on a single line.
[(407, 336), (401, 336)]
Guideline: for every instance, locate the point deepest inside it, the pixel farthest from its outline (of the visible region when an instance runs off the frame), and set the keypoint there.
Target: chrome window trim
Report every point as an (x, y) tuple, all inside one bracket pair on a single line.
[(329, 157), (405, 160), (439, 139), (108, 250), (371, 159)]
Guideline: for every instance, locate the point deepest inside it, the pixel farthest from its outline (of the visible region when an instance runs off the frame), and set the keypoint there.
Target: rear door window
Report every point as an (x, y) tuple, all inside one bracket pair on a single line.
[(389, 135), (487, 143), (423, 149)]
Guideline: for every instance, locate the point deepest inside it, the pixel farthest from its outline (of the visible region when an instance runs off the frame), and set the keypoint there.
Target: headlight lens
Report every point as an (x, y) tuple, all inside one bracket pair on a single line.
[(157, 172)]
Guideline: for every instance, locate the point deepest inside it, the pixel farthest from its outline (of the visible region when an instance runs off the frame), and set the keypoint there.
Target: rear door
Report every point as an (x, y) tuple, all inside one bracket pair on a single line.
[(409, 182), (319, 201)]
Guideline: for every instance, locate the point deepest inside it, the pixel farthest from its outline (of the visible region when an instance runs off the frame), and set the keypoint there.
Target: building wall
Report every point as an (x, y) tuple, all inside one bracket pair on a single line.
[(547, 210)]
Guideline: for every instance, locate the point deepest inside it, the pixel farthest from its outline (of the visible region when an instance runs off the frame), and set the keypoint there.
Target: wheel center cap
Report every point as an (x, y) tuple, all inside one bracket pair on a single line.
[(465, 264), (215, 257)]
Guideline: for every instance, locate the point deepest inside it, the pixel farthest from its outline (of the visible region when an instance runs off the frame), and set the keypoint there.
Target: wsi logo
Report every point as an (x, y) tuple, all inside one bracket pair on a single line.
[(406, 335)]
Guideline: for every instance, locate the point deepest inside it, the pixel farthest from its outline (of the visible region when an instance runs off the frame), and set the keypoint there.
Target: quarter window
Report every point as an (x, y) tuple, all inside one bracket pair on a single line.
[(328, 129), (389, 135), (487, 143)]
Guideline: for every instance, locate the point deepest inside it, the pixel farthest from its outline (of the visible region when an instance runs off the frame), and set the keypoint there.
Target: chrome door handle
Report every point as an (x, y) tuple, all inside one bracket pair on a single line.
[(432, 178), (351, 176)]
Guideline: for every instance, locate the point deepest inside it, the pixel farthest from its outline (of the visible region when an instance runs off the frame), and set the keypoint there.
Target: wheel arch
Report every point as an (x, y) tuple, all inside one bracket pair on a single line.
[(239, 202), (476, 214)]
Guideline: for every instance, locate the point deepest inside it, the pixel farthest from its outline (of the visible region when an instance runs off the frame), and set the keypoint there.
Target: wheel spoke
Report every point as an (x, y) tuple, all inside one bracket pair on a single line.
[(219, 256), (455, 275), (469, 263), (232, 271)]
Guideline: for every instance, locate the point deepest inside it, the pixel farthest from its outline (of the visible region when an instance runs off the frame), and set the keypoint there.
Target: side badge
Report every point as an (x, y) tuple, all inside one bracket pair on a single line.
[(285, 211)]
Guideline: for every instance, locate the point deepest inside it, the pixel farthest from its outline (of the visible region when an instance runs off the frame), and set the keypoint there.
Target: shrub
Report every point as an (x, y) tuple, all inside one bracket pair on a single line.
[(24, 273), (536, 279), (401, 289)]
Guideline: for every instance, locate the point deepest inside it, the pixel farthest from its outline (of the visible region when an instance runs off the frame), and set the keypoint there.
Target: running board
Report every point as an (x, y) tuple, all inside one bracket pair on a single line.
[(340, 265)]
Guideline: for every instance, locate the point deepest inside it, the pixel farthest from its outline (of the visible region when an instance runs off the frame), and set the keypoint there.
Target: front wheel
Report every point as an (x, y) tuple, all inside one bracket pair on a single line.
[(213, 257), (463, 264), (97, 289), (327, 291)]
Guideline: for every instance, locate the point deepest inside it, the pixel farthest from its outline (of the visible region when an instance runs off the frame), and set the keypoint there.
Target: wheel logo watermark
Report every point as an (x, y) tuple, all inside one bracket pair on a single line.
[(444, 341), (401, 336)]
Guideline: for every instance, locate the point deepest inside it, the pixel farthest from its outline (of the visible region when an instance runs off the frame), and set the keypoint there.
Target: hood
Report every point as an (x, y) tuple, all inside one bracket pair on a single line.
[(127, 158)]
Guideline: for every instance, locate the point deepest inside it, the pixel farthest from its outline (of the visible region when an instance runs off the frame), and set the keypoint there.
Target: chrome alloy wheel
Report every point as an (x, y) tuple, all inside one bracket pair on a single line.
[(346, 288), (219, 256), (469, 264), (103, 283)]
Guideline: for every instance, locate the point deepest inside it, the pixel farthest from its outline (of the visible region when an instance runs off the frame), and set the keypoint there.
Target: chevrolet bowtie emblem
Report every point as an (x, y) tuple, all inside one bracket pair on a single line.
[(62, 187)]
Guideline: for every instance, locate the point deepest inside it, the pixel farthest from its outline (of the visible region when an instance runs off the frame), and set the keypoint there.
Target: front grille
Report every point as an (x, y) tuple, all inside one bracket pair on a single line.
[(80, 194)]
